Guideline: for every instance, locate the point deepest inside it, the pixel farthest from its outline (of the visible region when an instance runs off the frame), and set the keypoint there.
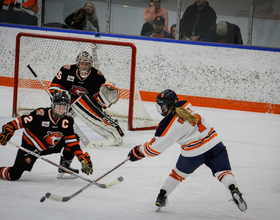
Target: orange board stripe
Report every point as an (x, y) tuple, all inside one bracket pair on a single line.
[(220, 103), (195, 100)]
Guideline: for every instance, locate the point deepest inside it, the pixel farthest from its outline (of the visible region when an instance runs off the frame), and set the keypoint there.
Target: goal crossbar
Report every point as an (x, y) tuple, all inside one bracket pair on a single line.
[(85, 40)]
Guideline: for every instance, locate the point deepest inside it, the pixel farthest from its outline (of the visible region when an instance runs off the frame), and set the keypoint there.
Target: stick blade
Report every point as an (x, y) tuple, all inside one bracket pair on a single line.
[(115, 182), (56, 197)]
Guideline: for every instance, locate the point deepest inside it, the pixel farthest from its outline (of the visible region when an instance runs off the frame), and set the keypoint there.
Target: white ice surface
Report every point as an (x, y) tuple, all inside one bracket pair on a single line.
[(253, 144)]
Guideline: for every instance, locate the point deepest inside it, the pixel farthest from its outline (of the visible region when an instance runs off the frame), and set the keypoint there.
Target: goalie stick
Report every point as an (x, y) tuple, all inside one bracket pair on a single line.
[(67, 198), (77, 130), (99, 121), (94, 182)]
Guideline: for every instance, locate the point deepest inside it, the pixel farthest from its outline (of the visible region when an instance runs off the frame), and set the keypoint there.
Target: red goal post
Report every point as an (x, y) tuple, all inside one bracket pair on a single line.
[(46, 54)]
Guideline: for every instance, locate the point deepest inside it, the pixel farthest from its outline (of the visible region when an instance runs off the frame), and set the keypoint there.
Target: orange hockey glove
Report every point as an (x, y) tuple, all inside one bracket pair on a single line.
[(6, 134), (86, 163)]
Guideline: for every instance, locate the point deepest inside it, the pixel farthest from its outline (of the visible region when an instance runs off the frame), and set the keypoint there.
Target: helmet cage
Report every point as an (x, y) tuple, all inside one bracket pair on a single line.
[(165, 101), (86, 58), (60, 103)]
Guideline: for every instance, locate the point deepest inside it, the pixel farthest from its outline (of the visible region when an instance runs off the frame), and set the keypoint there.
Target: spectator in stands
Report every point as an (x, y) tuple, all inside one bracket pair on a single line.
[(197, 20), (19, 12), (92, 14), (156, 9), (173, 32), (224, 32), (159, 31), (84, 19), (147, 26)]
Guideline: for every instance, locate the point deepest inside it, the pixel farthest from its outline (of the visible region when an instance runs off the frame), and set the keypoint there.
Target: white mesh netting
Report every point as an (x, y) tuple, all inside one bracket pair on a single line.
[(46, 56)]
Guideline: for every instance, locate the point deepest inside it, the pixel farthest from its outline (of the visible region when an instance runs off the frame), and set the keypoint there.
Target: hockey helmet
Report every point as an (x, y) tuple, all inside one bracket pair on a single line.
[(60, 103), (166, 100), (84, 57)]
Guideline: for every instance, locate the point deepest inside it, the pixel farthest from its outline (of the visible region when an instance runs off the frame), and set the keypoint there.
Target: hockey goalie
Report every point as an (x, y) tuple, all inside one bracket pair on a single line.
[(90, 95)]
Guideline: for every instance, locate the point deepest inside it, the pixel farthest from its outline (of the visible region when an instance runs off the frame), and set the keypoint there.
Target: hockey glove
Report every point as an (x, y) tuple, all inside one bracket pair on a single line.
[(6, 134), (135, 154), (86, 163)]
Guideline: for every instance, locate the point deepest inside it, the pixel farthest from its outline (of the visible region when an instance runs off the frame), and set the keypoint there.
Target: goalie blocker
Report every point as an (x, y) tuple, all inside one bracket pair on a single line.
[(96, 119)]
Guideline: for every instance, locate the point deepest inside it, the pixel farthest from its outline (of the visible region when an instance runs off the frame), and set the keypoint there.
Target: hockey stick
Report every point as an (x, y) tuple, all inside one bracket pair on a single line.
[(77, 130), (94, 182), (34, 74), (67, 198)]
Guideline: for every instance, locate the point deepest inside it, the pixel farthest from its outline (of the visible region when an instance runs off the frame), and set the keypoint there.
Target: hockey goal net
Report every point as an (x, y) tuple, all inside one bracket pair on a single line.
[(46, 54)]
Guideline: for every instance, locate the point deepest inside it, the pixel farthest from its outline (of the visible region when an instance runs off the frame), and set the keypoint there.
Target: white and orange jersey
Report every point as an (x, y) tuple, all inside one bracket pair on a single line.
[(194, 138)]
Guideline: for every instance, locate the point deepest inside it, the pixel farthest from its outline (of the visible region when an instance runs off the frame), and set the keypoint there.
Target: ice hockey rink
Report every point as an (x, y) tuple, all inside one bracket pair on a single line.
[(253, 144)]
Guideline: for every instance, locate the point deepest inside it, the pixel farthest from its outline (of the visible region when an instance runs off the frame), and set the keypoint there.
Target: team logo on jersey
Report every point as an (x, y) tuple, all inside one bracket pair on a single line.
[(52, 138), (71, 78), (27, 160), (78, 90), (45, 123), (67, 67), (40, 112)]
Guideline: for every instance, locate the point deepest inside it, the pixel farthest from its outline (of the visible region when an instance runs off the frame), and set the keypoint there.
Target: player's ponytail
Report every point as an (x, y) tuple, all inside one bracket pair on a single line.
[(184, 114)]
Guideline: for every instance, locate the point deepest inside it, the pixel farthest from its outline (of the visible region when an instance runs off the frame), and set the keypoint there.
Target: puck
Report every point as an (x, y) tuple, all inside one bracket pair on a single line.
[(43, 199)]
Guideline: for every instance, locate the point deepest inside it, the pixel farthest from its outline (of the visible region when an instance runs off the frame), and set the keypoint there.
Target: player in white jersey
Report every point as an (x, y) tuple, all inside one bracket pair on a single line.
[(199, 142)]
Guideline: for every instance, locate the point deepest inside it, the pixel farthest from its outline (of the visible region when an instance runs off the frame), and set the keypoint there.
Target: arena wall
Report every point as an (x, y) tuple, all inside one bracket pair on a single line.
[(210, 75)]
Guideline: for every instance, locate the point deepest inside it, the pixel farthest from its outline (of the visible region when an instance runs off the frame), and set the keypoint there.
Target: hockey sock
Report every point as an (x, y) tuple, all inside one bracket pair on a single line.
[(226, 177), (173, 180)]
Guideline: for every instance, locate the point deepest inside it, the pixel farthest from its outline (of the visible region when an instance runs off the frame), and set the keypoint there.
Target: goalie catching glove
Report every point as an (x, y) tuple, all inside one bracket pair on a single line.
[(108, 95), (6, 134), (86, 163), (135, 154)]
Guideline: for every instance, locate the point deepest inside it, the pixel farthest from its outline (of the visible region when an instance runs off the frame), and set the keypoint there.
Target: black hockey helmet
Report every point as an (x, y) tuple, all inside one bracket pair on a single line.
[(165, 101), (60, 103)]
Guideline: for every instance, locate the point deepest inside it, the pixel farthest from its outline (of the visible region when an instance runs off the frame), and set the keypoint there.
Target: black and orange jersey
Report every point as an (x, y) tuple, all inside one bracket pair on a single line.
[(43, 133), (68, 78)]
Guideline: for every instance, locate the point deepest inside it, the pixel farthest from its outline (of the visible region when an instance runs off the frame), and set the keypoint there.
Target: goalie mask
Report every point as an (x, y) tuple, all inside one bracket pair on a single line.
[(166, 100), (84, 62), (60, 103)]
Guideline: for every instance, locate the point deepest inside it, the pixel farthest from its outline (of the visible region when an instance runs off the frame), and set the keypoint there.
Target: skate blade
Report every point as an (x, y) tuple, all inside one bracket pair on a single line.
[(66, 176), (158, 208), (240, 203)]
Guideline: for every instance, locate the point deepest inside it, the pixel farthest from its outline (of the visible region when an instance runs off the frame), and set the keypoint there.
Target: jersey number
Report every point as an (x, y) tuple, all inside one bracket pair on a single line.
[(200, 126), (28, 119)]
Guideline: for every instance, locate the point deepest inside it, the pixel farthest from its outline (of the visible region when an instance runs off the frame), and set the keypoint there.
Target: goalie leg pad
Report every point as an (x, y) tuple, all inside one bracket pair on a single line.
[(97, 120)]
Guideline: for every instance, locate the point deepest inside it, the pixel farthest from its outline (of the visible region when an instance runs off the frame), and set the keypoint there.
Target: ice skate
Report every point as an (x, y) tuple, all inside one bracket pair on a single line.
[(161, 200), (237, 198), (63, 174)]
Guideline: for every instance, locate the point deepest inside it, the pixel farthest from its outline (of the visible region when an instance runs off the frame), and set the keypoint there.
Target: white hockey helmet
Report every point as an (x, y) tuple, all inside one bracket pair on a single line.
[(84, 57)]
